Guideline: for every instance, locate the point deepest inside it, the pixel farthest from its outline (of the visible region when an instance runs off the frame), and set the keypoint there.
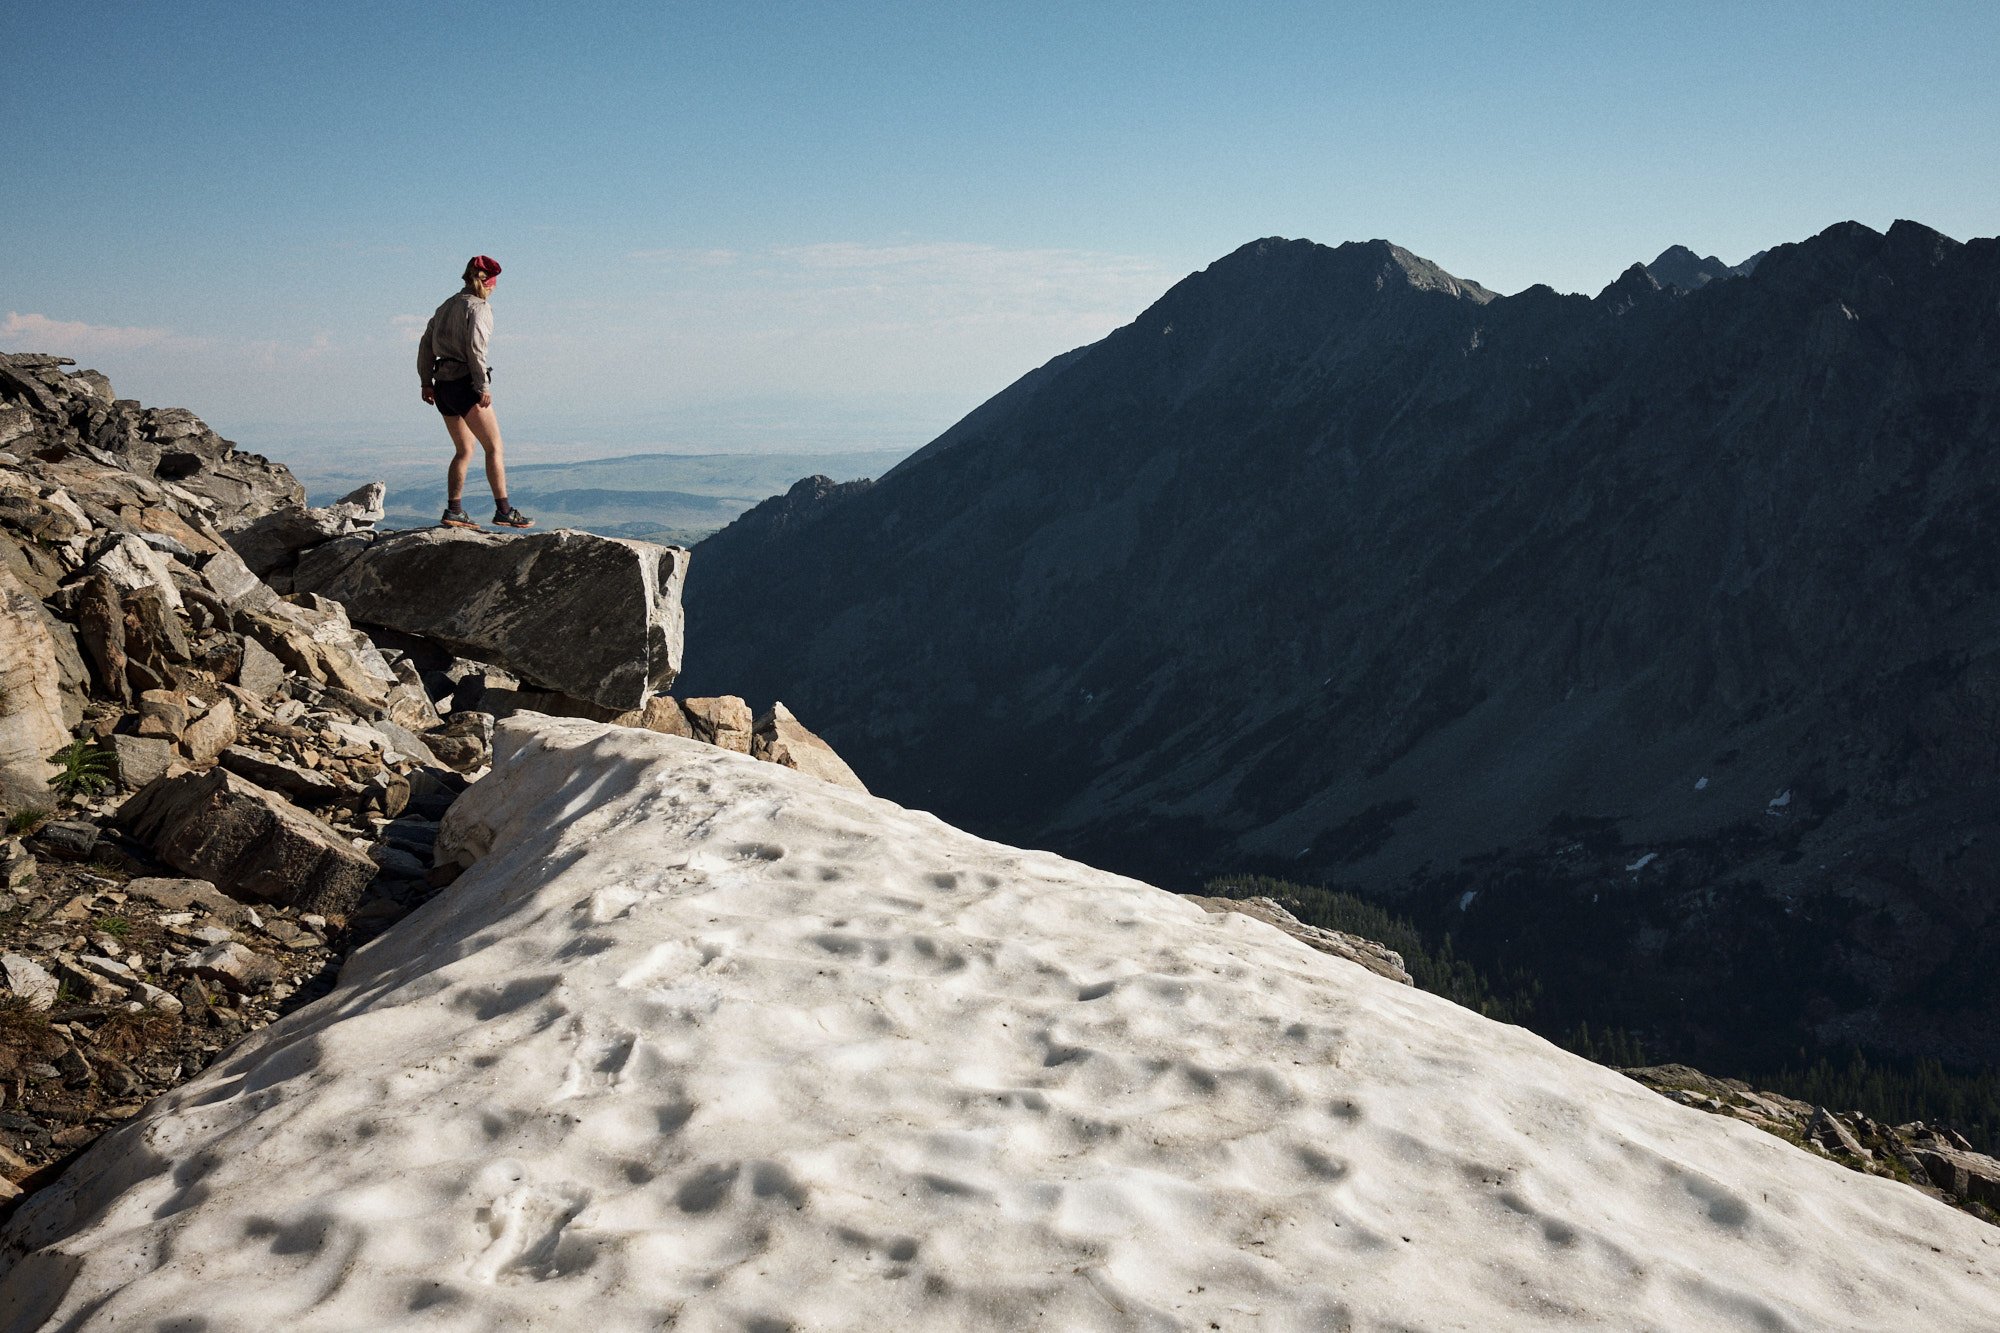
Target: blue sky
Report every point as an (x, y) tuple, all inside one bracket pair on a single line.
[(794, 225)]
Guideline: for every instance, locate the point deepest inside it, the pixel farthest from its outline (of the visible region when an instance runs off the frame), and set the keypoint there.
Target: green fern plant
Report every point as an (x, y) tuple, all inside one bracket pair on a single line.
[(82, 769)]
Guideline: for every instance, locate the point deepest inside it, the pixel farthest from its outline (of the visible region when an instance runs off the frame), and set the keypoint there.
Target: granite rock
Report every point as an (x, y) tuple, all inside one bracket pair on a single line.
[(593, 617)]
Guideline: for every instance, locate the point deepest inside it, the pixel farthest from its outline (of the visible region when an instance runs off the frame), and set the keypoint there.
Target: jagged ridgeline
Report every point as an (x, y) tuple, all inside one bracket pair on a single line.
[(1649, 635)]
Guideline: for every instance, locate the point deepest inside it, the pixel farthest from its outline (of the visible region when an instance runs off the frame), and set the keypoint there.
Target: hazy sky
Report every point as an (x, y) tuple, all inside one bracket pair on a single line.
[(817, 225)]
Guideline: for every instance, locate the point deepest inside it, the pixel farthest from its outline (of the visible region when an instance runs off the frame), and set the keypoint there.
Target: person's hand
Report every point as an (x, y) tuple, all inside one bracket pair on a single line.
[(486, 400), (429, 397)]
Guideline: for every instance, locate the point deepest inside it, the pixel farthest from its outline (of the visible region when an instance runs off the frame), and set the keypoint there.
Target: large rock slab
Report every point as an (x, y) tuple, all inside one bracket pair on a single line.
[(596, 618), (31, 710), (251, 843)]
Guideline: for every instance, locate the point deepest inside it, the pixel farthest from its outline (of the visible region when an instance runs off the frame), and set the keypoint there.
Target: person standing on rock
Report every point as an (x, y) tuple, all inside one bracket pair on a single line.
[(451, 363)]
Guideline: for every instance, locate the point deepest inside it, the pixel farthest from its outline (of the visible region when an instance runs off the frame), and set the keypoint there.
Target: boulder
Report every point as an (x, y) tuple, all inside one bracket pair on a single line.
[(234, 584), (723, 720), (781, 738), (163, 714), (132, 565), (386, 792), (306, 785), (211, 733), (34, 567), (597, 618), (465, 743), (1971, 1176), (237, 966), (409, 702), (663, 713), (156, 646), (100, 624), (260, 672), (403, 743), (181, 895), (398, 863), (31, 703), (139, 759), (17, 865), (29, 981), (68, 839), (270, 542), (1833, 1134), (175, 446), (251, 843), (432, 790)]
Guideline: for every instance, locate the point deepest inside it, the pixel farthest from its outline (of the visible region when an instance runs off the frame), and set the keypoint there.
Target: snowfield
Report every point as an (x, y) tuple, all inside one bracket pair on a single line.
[(702, 1043)]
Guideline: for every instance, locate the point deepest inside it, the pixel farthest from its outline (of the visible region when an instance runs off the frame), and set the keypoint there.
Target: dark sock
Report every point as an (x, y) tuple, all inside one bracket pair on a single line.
[(500, 505), (456, 502)]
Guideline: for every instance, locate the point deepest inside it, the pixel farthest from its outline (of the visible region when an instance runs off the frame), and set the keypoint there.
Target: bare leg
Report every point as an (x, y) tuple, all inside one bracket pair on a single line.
[(461, 443), (485, 426)]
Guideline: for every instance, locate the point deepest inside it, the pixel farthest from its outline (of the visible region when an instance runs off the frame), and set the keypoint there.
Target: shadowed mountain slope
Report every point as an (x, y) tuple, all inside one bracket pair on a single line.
[(1334, 565)]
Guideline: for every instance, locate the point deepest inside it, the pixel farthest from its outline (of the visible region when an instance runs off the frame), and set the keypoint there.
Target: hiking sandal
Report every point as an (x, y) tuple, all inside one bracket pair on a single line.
[(511, 517)]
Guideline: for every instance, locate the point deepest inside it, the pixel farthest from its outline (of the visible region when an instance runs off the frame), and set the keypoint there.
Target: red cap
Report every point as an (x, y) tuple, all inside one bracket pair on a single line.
[(487, 265)]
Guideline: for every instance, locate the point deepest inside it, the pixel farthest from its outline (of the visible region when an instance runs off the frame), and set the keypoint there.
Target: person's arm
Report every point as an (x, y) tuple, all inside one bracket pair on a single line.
[(475, 345), (426, 359)]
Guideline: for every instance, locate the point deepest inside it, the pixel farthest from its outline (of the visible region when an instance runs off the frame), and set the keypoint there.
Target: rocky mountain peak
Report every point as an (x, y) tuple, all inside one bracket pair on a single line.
[(1630, 288), (1352, 267), (1678, 266), (1360, 583)]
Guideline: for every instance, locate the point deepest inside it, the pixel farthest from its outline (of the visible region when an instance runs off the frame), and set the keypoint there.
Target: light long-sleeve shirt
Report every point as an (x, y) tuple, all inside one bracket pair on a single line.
[(454, 343)]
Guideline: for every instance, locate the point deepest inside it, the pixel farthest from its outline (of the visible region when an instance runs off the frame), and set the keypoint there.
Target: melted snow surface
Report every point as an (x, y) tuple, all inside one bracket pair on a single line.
[(703, 1043)]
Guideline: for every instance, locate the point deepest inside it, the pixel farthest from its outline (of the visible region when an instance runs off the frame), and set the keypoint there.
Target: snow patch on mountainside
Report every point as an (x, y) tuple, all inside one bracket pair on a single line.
[(703, 1043)]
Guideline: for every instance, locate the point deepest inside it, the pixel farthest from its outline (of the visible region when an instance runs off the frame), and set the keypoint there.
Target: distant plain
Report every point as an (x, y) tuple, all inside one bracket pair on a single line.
[(666, 497)]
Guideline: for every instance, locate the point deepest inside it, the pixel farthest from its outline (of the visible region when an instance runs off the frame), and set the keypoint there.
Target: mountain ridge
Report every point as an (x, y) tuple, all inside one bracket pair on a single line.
[(1363, 590)]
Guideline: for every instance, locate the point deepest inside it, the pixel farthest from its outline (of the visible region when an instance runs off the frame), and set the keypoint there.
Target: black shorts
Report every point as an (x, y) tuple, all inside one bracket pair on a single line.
[(454, 397)]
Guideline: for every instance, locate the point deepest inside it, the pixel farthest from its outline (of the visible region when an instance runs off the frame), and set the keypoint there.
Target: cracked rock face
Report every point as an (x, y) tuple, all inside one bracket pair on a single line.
[(596, 618)]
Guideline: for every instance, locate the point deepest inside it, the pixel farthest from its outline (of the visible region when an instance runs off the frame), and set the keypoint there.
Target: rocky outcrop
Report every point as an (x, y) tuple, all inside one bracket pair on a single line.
[(1377, 958), (781, 738), (249, 841), (58, 416), (219, 724), (271, 543), (1937, 1160), (592, 617), (723, 720)]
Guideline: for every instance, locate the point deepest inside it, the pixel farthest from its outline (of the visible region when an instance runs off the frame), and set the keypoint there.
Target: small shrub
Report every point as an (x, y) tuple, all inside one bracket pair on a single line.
[(126, 1034), (25, 820), (25, 1037), (82, 769), (117, 927)]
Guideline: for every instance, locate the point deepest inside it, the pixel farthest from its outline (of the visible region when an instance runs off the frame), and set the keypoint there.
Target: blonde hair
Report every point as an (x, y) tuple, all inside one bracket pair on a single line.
[(475, 280)]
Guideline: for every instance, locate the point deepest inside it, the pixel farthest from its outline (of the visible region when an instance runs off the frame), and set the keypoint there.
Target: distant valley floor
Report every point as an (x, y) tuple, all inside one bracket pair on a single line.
[(674, 498)]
